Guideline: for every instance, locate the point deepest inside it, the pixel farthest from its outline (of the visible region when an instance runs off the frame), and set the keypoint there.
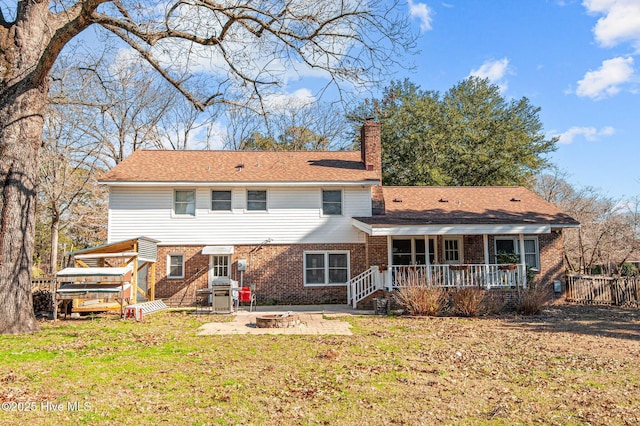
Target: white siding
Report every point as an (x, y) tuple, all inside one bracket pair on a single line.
[(294, 216)]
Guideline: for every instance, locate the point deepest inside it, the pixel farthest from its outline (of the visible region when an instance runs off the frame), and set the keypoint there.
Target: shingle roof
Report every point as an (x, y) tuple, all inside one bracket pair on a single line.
[(257, 166), (466, 205)]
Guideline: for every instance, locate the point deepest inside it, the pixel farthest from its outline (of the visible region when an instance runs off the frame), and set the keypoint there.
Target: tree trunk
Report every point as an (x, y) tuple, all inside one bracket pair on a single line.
[(23, 97), (55, 228), (21, 121)]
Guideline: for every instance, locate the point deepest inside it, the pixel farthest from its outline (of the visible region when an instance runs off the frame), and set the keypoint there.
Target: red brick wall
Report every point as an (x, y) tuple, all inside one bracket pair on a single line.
[(551, 259), (278, 275), (276, 271), (377, 247), (473, 246), (181, 292)]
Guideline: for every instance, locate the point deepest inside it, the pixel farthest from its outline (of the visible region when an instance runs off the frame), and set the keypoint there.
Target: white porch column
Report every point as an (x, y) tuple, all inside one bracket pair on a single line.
[(522, 261), (427, 261), (485, 242), (389, 275)]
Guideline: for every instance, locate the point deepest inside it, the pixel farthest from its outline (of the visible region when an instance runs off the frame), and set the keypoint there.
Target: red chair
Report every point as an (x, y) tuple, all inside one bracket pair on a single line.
[(245, 295)]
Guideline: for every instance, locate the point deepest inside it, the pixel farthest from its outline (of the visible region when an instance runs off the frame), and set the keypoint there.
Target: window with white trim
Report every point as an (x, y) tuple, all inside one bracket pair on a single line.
[(412, 251), (326, 268), (257, 200), (511, 245), (175, 266), (332, 202), (184, 202), (221, 200), (452, 248)]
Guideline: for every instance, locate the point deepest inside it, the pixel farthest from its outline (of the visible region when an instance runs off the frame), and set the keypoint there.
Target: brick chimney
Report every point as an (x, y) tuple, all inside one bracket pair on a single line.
[(370, 146), (371, 154)]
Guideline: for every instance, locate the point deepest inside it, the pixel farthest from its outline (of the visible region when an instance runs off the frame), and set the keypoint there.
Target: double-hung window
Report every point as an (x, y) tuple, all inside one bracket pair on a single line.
[(331, 202), (175, 266), (184, 202), (511, 245), (326, 268), (257, 200), (221, 200)]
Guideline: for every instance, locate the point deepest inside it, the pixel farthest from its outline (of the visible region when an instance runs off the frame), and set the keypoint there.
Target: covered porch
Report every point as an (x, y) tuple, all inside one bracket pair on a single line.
[(453, 260), (487, 237), (502, 260)]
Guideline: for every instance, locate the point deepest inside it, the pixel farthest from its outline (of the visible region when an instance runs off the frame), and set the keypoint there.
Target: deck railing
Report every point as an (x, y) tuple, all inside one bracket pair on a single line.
[(467, 275), (453, 276)]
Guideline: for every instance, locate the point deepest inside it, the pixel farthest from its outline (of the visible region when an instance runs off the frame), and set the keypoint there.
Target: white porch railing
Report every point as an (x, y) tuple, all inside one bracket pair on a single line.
[(363, 285), (479, 275)]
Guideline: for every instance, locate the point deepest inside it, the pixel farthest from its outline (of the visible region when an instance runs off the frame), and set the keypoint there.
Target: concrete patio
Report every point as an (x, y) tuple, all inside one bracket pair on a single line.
[(313, 320)]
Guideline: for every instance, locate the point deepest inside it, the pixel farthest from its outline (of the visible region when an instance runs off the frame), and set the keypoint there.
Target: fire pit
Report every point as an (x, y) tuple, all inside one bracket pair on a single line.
[(277, 321)]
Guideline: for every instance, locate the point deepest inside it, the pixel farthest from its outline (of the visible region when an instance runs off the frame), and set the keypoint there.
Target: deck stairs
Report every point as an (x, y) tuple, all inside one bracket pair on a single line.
[(139, 310)]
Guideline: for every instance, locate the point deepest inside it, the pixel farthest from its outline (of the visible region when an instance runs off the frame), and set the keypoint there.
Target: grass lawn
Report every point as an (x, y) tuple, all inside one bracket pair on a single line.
[(572, 365)]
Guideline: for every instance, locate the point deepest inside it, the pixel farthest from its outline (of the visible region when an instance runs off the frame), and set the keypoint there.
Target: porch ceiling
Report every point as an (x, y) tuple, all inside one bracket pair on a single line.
[(425, 228)]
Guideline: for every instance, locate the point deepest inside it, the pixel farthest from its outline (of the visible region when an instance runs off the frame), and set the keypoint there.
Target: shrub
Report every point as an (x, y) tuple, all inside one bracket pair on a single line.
[(628, 270), (422, 300), (417, 297), (504, 257), (531, 300), (467, 301)]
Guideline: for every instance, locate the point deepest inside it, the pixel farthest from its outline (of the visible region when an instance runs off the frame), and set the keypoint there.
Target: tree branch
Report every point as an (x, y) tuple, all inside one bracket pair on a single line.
[(67, 25)]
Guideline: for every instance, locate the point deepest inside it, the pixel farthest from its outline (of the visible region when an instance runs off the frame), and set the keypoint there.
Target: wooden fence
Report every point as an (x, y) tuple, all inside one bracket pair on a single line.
[(43, 282), (603, 290)]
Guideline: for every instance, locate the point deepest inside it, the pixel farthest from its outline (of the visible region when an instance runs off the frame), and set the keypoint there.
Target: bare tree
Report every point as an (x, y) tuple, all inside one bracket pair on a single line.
[(243, 45), (68, 177), (116, 102), (183, 127), (608, 231), (294, 126)]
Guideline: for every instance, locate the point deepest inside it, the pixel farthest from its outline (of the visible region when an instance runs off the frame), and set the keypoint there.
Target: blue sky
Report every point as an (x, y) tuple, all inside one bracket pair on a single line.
[(579, 61)]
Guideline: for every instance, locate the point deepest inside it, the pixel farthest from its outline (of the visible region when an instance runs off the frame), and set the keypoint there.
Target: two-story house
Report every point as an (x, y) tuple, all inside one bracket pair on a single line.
[(318, 227)]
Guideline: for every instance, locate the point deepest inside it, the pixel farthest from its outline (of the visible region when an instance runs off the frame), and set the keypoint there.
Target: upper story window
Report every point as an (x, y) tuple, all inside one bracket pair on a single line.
[(332, 202), (221, 200), (175, 266), (184, 202), (257, 200)]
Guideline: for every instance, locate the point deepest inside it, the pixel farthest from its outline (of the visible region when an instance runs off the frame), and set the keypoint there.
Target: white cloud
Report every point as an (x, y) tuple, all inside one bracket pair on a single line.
[(620, 23), (301, 98), (495, 71), (606, 81), (589, 133), (422, 12)]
